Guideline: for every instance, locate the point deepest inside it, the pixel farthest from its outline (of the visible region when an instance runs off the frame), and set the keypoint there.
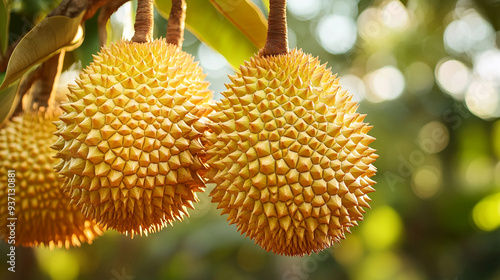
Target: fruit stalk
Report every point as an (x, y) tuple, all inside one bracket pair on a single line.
[(277, 37), (175, 27), (144, 20)]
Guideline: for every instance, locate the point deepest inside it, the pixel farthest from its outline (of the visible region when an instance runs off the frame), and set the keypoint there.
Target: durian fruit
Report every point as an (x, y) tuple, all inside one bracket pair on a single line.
[(41, 213), (289, 154), (129, 140)]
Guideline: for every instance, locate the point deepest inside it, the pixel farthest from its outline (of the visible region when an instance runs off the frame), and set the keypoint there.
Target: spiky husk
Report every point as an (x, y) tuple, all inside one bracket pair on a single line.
[(129, 139), (289, 154), (44, 213)]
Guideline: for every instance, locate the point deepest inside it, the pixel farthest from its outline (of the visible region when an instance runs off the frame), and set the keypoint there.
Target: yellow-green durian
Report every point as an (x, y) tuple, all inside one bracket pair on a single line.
[(32, 202), (129, 140), (289, 154)]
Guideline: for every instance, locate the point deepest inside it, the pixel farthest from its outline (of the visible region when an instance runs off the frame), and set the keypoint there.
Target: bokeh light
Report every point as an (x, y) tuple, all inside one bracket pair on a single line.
[(58, 264), (391, 18), (386, 83), (379, 266), (453, 77), (354, 85), (336, 33), (486, 213), (382, 228), (483, 99), (210, 59), (487, 66), (343, 7), (469, 34), (419, 77), (479, 173), (433, 137), (369, 25), (304, 10), (427, 181), (395, 15), (216, 67)]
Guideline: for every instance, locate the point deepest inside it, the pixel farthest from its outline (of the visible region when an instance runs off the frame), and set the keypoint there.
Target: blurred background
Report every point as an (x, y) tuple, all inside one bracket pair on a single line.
[(426, 73)]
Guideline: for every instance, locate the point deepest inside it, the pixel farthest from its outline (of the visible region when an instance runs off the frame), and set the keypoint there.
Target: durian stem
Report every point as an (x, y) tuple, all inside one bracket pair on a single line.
[(277, 37), (175, 26), (144, 21)]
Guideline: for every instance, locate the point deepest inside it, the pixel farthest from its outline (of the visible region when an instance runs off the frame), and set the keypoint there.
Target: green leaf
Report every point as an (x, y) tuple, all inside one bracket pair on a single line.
[(266, 4), (47, 38), (4, 26), (247, 17), (211, 27)]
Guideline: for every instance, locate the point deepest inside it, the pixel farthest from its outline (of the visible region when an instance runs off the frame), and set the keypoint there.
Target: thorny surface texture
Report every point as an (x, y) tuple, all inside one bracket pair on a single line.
[(129, 140), (289, 155), (44, 213)]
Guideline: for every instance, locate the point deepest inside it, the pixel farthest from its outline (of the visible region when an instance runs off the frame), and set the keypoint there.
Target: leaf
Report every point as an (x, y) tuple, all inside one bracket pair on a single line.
[(247, 17), (47, 38), (211, 27), (4, 26), (8, 97), (266, 4)]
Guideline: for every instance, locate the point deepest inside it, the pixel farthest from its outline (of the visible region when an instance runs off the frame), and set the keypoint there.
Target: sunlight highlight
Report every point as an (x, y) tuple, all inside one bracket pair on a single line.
[(354, 85), (337, 33), (427, 181), (486, 214), (453, 77), (386, 83), (382, 228)]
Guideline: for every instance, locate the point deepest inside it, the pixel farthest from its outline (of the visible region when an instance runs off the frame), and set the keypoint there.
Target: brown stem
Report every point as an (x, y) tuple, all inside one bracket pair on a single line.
[(277, 38), (72, 8), (175, 26), (102, 19), (69, 8), (144, 21)]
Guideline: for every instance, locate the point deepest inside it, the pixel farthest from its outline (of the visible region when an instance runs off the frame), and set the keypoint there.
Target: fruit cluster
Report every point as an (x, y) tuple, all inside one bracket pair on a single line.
[(140, 136)]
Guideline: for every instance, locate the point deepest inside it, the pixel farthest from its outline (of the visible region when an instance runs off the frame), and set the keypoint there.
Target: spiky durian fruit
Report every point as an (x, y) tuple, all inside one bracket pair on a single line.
[(130, 136), (289, 154), (41, 213)]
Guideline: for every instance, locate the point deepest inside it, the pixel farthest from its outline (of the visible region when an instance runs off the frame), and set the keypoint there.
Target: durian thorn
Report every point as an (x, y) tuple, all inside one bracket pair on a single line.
[(277, 37), (175, 26), (144, 21)]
